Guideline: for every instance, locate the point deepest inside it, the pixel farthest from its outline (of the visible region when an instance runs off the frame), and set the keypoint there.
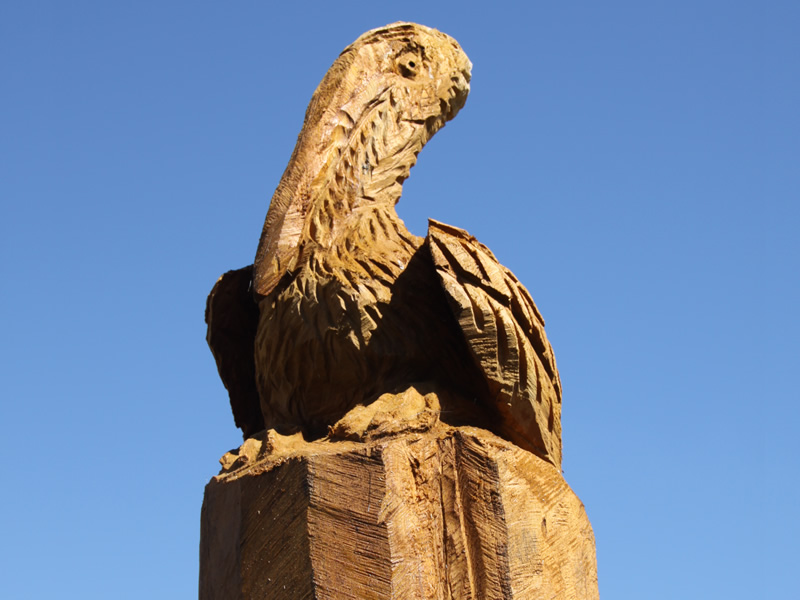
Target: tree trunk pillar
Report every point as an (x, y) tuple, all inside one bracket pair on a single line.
[(449, 513)]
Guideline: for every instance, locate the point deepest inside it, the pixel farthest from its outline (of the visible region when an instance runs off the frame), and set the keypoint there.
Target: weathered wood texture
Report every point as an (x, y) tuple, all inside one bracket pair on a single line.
[(387, 352), (450, 513), (344, 304)]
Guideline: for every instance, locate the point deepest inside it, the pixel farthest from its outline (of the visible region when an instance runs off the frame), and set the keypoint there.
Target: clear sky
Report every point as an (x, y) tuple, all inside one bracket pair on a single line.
[(636, 164)]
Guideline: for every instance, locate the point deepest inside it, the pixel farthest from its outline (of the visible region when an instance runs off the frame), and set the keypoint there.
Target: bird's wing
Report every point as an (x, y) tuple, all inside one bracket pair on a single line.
[(505, 335), (232, 319)]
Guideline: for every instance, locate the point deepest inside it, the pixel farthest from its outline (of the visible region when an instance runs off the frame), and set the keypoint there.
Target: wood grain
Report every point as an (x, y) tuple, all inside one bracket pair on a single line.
[(399, 399), (344, 304), (452, 513)]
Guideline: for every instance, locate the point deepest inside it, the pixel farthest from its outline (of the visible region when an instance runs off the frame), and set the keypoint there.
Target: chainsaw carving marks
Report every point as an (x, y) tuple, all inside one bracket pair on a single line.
[(343, 304), (505, 333)]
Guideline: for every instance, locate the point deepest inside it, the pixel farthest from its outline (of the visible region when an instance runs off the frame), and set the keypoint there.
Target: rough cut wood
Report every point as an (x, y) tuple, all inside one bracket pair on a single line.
[(447, 513), (399, 399), (351, 305)]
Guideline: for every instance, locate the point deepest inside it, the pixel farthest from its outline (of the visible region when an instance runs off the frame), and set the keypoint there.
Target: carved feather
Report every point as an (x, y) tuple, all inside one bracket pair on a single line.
[(344, 304), (505, 335)]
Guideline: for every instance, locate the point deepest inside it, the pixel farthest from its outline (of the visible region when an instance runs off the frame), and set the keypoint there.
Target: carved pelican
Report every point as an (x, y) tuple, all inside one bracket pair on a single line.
[(344, 304)]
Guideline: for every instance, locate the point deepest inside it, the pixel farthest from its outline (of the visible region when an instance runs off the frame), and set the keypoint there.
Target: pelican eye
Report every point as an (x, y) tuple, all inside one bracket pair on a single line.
[(408, 65)]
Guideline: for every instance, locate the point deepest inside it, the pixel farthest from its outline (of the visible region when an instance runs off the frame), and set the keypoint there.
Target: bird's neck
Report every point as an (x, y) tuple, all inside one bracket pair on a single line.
[(336, 199), (352, 213), (370, 243)]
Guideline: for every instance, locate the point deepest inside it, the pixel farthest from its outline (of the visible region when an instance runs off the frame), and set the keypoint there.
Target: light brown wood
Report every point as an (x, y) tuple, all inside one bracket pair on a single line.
[(398, 396), (446, 513), (351, 305)]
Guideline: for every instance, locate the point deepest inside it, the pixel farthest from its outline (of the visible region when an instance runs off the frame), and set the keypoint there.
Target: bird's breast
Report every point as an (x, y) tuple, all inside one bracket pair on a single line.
[(315, 352), (330, 341)]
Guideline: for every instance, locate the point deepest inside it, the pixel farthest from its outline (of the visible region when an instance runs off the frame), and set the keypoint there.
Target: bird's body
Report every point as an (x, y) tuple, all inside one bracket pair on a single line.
[(345, 341), (350, 304)]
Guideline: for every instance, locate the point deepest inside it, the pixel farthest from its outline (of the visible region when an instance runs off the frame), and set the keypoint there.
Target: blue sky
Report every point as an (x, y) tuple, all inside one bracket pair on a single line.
[(636, 164)]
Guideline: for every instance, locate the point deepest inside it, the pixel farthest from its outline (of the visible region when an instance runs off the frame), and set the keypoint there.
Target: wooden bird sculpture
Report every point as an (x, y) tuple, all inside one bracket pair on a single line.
[(344, 304)]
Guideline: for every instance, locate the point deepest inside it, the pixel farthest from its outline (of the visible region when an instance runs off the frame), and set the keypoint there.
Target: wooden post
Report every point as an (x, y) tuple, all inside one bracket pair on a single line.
[(451, 513)]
